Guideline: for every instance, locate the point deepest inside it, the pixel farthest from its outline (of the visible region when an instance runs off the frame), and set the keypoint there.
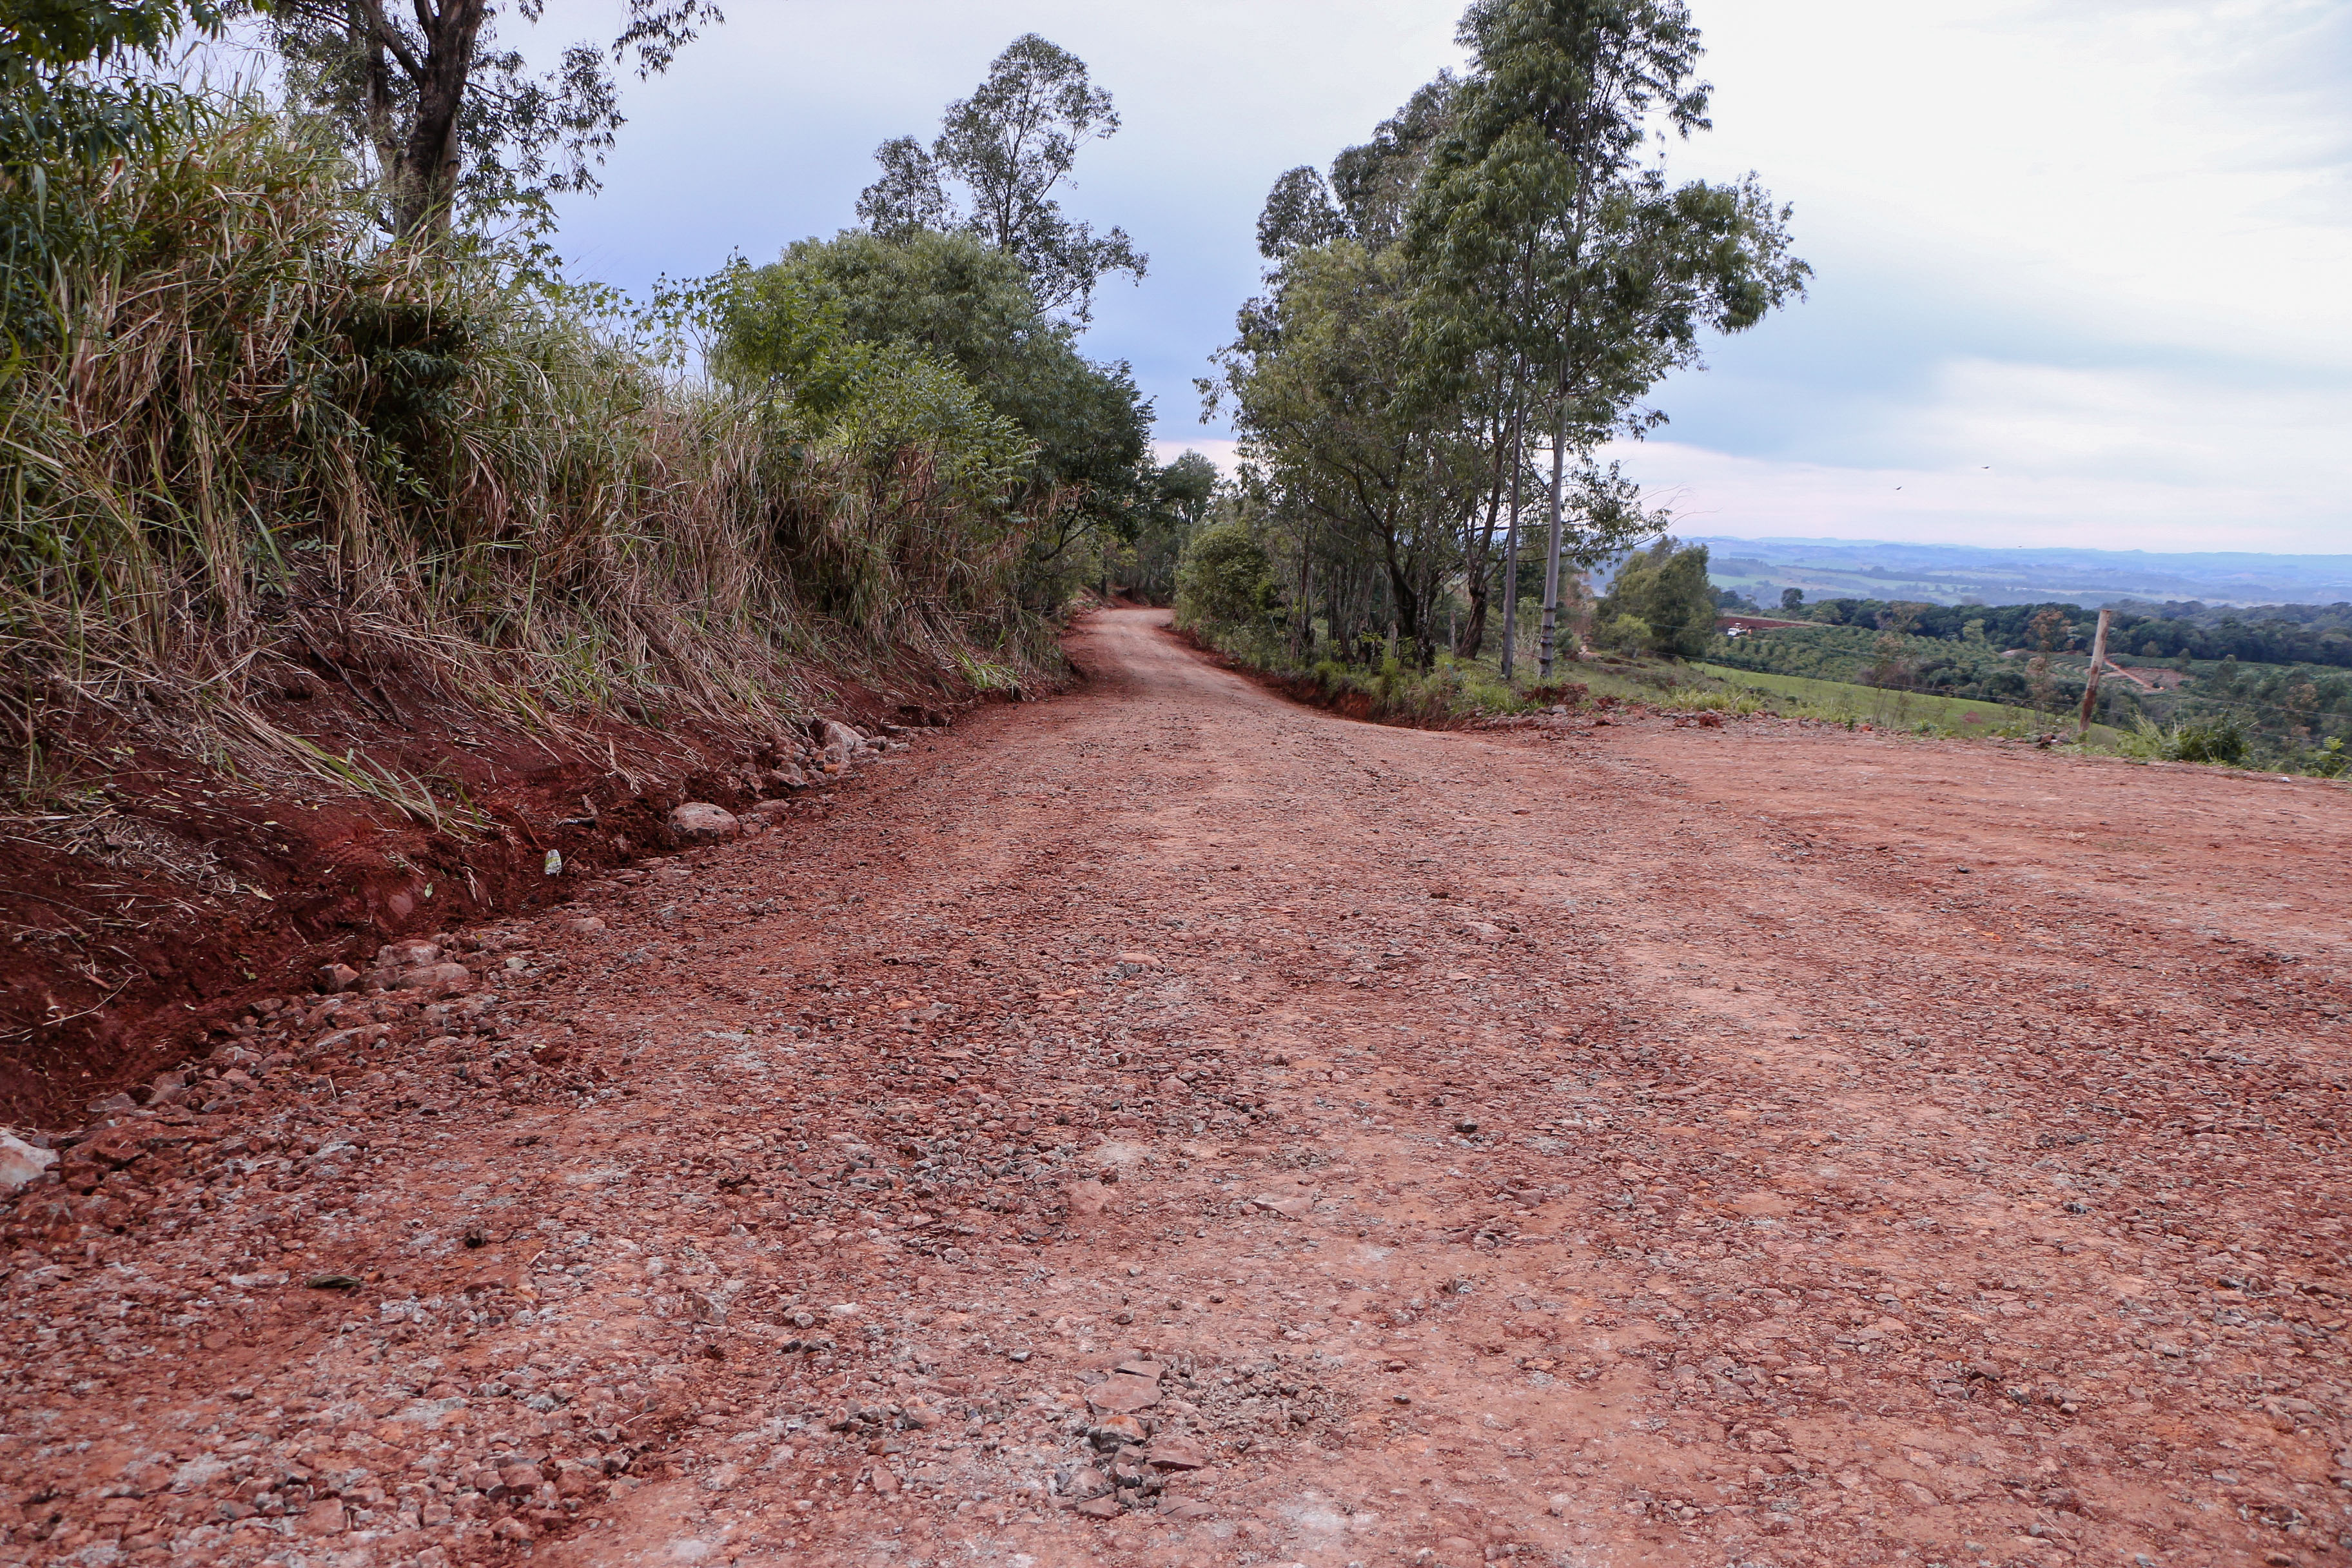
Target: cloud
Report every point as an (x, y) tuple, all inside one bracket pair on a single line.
[(1713, 492), (2096, 244), (1218, 449)]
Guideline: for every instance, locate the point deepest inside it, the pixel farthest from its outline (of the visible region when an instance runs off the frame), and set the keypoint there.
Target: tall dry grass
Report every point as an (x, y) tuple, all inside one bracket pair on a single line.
[(259, 436)]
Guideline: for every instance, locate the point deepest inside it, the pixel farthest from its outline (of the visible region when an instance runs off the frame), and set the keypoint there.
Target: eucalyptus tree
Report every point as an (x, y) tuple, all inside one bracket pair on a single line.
[(1371, 186), (452, 128), (1323, 388), (994, 169), (1540, 234), (1364, 457)]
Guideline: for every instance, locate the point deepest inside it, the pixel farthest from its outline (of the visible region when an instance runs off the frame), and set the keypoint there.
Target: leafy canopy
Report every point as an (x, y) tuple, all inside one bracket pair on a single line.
[(993, 168), (1540, 234), (805, 327), (1660, 602), (452, 129)]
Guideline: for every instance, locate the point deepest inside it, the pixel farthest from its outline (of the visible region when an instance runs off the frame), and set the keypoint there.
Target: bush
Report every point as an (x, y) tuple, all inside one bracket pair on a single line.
[(1224, 578), (2214, 741), (1660, 603), (266, 417)]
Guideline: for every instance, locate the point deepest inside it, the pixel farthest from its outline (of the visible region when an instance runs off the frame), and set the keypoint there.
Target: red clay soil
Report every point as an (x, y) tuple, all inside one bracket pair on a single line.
[(1168, 1125), (171, 894)]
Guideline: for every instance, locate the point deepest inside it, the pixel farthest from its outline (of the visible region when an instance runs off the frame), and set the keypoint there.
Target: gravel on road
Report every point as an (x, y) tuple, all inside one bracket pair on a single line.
[(1166, 1125)]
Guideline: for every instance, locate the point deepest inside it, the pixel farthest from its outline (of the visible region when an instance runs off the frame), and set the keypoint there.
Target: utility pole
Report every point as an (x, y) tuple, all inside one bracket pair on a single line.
[(1551, 559), (2091, 686)]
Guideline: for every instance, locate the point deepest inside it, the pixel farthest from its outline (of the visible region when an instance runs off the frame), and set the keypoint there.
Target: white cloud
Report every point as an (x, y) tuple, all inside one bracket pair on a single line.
[(1712, 492), (1219, 450), (2099, 245)]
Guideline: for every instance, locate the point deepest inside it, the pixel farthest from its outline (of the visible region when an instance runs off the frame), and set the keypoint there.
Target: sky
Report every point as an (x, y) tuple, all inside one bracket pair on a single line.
[(2080, 267)]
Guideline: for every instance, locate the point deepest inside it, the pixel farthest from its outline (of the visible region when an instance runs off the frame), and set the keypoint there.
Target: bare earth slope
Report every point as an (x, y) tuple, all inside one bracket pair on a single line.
[(1631, 1145)]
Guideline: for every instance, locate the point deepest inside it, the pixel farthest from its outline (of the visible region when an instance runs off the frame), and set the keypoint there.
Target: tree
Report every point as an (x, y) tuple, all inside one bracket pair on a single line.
[(76, 97), (1298, 215), (1792, 600), (1371, 185), (45, 40), (1543, 237), (1660, 601), (1225, 578), (1319, 381), (453, 129), (1008, 147), (1183, 491), (953, 299)]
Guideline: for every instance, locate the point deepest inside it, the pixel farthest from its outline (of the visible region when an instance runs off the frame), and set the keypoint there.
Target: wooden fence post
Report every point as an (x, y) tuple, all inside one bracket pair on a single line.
[(2091, 687)]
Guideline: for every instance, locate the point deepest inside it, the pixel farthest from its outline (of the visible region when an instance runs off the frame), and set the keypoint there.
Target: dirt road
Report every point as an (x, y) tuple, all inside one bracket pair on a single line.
[(1165, 1125)]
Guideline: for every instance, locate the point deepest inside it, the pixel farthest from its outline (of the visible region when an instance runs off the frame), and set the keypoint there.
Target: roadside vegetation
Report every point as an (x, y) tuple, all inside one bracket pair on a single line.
[(2199, 702), (281, 410)]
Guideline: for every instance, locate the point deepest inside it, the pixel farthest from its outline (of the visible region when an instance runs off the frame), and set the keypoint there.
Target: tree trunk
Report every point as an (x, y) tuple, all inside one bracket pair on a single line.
[(1480, 587), (1407, 617), (426, 183), (1551, 559), (1302, 620), (1511, 564), (384, 139)]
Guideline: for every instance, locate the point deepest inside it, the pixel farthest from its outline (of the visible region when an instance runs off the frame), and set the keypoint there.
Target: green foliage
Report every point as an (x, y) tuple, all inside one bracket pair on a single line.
[(1371, 188), (2217, 741), (1485, 290), (42, 41), (1005, 149), (1183, 491), (2273, 634), (1660, 602), (1224, 578), (72, 104), (1318, 387), (799, 326), (444, 127), (1543, 237), (272, 427)]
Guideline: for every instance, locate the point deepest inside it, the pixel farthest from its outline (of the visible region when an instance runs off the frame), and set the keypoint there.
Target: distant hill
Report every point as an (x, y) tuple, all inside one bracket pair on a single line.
[(1961, 574)]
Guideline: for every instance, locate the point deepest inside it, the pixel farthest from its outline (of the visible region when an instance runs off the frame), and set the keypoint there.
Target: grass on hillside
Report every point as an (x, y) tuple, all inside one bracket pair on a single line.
[(1457, 688), (261, 442)]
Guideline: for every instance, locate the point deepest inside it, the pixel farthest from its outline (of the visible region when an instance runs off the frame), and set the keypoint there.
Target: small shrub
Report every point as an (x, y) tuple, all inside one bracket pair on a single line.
[(2213, 741)]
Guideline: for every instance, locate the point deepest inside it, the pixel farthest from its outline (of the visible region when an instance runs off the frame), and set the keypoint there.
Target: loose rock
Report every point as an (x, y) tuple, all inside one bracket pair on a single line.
[(20, 1163), (700, 822)]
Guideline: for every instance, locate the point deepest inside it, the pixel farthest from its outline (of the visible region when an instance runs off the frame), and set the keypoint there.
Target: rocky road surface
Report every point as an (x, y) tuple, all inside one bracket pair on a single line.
[(1165, 1125)]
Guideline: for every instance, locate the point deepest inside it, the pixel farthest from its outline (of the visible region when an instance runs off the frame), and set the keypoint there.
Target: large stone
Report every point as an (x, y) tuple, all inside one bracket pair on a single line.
[(839, 741), (700, 822), (20, 1163), (1085, 1482), (1123, 1393), (1119, 1432), (433, 979), (1296, 1206), (1169, 1452)]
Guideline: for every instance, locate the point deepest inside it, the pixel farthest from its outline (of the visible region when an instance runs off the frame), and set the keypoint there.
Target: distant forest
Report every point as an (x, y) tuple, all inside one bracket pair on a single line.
[(2264, 634), (2259, 685)]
